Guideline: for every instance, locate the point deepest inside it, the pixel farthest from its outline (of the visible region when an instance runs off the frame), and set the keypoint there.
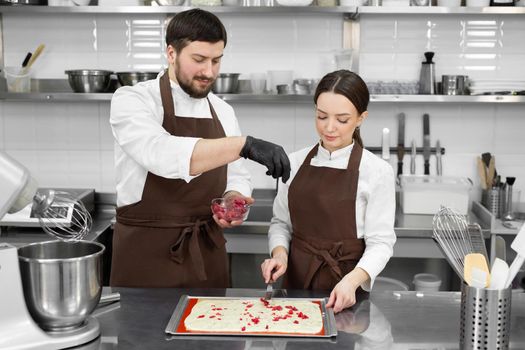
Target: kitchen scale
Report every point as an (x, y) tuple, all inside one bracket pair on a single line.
[(18, 330)]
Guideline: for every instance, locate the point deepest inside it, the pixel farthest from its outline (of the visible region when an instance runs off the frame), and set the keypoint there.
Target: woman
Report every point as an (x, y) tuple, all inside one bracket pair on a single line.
[(333, 223)]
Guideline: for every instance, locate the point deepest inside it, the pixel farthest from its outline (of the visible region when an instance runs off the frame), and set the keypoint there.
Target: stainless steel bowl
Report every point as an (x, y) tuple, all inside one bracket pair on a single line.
[(226, 83), (132, 78), (89, 80), (62, 282)]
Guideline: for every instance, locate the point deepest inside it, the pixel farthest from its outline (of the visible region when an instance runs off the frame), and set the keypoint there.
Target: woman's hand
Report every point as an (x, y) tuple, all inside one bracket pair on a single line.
[(276, 266), (228, 224), (343, 294)]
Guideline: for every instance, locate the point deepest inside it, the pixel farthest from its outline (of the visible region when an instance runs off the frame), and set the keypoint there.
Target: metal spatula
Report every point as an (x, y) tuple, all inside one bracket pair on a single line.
[(269, 291)]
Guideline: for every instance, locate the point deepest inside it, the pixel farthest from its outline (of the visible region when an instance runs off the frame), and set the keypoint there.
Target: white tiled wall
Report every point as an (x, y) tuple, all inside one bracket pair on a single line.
[(70, 144)]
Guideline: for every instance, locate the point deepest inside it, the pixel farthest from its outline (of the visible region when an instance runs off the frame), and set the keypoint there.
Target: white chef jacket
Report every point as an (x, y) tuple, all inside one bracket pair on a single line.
[(375, 205), (142, 145)]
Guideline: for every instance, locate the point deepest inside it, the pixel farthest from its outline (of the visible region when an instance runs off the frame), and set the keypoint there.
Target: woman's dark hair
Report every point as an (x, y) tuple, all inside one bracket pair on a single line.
[(194, 25), (350, 85)]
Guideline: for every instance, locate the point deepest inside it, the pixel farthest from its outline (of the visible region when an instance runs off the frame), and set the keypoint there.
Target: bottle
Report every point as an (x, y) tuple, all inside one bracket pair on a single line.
[(509, 212), (427, 78)]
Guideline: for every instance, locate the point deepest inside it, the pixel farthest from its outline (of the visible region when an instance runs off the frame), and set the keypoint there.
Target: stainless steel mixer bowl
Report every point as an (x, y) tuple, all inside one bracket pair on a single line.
[(89, 80), (62, 282), (132, 78)]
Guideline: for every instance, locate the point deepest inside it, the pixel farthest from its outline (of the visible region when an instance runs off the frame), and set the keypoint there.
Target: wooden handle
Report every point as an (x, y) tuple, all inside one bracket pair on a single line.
[(33, 58), (491, 172), (482, 174)]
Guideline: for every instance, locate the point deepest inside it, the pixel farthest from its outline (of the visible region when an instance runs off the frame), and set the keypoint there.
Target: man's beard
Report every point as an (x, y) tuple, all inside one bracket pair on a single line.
[(188, 88)]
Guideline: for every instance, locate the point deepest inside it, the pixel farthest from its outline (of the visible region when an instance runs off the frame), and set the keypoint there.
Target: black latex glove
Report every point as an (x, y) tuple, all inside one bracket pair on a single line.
[(268, 154)]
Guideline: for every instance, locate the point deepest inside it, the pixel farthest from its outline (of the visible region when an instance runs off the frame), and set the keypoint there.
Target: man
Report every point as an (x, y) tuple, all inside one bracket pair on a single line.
[(177, 146)]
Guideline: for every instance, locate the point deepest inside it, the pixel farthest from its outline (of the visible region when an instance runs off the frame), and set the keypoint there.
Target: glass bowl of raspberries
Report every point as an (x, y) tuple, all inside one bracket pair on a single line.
[(230, 209)]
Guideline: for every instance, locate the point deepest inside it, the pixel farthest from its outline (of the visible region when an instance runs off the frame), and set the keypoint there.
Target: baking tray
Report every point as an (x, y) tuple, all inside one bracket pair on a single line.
[(178, 316)]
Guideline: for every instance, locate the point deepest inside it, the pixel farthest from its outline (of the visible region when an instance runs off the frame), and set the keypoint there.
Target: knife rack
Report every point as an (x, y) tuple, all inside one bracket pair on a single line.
[(408, 150)]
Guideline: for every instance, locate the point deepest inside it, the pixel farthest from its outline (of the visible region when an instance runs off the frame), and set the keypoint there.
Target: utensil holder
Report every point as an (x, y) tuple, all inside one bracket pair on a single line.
[(491, 200), (485, 318)]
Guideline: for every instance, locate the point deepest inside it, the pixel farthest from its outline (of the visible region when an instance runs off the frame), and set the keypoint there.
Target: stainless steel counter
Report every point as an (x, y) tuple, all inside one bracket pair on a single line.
[(413, 231), (387, 320)]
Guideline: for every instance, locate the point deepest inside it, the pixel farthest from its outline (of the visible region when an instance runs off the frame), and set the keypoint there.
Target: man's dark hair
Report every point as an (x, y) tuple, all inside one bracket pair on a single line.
[(194, 25)]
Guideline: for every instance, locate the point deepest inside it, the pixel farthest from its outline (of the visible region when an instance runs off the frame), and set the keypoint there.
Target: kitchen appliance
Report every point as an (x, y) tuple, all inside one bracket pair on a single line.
[(427, 77), (426, 143), (400, 142), (18, 329)]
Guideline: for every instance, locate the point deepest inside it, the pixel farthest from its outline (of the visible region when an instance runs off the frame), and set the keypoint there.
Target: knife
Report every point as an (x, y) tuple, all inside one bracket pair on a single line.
[(269, 292), (426, 143), (439, 166), (413, 159), (400, 142)]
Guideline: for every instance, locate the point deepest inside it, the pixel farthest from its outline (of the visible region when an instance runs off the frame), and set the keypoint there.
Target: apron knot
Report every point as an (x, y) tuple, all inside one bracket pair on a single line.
[(330, 257), (191, 232)]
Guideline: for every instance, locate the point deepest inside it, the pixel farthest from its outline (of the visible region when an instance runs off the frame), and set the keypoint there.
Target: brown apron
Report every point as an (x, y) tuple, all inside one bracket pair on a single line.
[(324, 245), (169, 238)]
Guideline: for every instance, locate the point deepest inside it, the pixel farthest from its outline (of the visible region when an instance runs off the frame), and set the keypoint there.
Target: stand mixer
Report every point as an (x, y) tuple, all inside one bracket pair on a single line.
[(18, 329)]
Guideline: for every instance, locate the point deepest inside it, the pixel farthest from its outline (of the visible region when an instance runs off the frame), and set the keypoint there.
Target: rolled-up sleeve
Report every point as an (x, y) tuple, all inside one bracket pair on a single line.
[(139, 133), (379, 220)]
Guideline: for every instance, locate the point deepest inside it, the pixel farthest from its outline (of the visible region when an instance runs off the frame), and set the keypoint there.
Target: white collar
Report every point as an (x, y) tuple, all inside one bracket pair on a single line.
[(324, 154)]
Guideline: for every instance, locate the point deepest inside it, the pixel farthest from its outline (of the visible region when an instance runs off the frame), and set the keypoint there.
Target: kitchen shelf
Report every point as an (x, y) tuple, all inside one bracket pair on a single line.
[(448, 99), (506, 10), (348, 11), (175, 9), (249, 98)]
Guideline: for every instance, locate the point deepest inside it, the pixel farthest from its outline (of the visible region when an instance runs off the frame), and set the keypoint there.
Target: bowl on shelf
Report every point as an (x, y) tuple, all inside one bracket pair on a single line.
[(230, 209), (132, 78), (294, 2), (89, 80), (226, 83)]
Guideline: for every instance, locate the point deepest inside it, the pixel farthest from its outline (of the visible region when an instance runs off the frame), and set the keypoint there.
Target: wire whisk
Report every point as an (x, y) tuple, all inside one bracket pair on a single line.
[(61, 215), (451, 232)]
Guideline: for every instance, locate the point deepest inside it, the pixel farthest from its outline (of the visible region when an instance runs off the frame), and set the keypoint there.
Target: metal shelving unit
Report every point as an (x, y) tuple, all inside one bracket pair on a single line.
[(437, 10), (350, 12), (175, 9), (268, 98)]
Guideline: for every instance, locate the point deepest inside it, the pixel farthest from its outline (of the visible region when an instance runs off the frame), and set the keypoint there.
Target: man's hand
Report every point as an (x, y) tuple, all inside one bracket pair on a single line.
[(269, 154)]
